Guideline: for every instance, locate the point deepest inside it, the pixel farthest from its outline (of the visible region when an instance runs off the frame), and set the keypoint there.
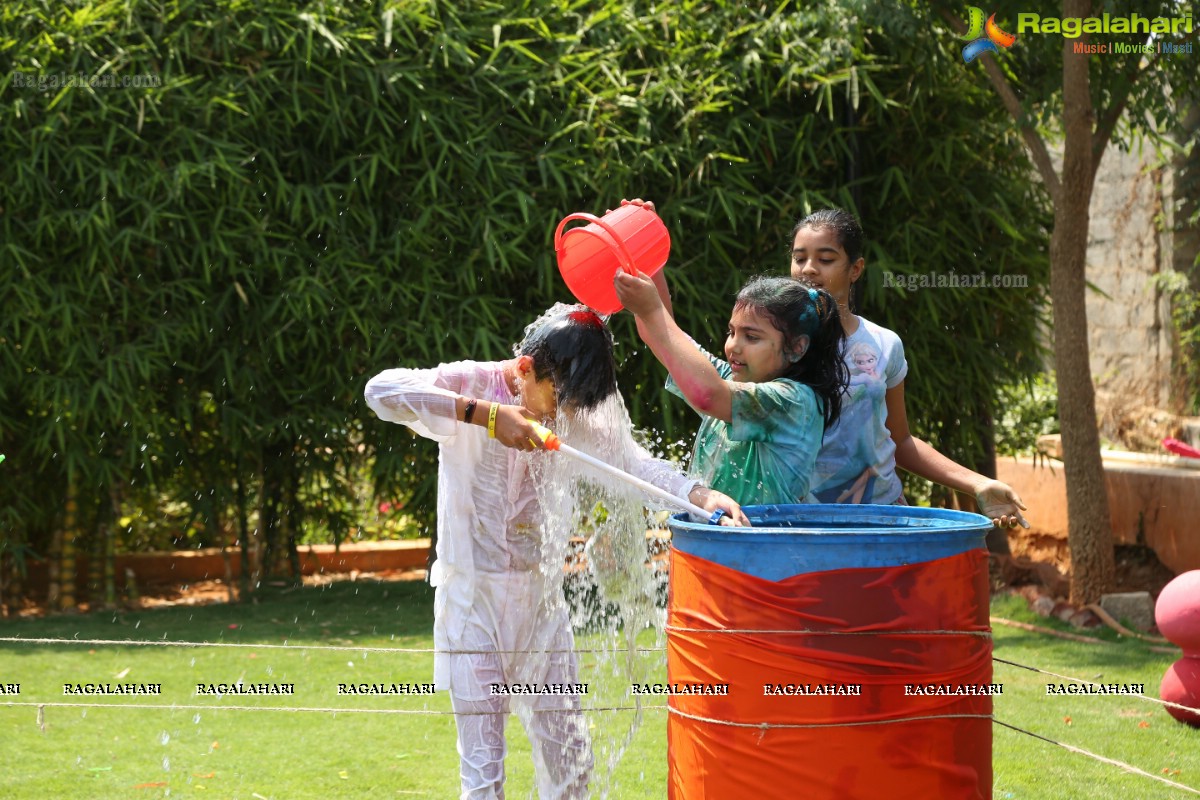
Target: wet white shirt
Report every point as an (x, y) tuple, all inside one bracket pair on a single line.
[(489, 519)]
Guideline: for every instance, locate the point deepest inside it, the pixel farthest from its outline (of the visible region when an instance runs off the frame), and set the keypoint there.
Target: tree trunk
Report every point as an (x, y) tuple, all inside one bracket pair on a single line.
[(56, 558), (95, 564), (1090, 530), (14, 550), (7, 568), (66, 571), (54, 569)]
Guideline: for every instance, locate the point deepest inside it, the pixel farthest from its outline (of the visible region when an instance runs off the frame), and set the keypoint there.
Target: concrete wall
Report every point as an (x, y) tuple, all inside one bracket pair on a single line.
[(1129, 330), (1152, 501), (1138, 231)]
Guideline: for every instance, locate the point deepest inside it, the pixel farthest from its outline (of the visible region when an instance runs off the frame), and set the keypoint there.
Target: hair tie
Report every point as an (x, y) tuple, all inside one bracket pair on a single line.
[(810, 317)]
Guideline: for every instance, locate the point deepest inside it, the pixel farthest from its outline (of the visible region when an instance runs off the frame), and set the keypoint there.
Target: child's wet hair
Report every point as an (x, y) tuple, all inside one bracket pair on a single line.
[(843, 224), (796, 309), (572, 347)]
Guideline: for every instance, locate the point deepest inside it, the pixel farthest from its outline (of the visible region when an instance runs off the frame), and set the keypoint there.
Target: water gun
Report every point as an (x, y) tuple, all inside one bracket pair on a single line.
[(551, 441)]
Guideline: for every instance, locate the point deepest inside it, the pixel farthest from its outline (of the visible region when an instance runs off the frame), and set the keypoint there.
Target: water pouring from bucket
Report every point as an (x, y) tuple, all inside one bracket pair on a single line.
[(631, 238)]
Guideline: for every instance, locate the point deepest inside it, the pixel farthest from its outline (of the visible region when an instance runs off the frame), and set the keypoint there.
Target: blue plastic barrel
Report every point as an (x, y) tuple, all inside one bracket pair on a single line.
[(789, 540)]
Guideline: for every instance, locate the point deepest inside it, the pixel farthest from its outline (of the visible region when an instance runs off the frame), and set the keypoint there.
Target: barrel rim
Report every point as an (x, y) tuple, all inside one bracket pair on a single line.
[(894, 520)]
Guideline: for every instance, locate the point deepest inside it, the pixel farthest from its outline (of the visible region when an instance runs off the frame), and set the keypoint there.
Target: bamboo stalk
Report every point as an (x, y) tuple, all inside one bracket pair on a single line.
[(66, 575)]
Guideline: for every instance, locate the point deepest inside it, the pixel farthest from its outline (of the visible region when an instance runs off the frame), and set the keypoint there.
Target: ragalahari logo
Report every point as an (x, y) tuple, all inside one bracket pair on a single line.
[(984, 37)]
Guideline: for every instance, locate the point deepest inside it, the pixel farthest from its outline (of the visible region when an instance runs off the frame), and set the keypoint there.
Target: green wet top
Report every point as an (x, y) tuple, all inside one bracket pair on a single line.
[(767, 453)]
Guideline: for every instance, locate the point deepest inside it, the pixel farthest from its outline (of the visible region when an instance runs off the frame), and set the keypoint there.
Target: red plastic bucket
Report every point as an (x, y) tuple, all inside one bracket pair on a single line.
[(631, 238)]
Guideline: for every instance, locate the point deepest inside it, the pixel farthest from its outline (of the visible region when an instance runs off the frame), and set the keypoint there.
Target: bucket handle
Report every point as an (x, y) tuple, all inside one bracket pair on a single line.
[(627, 266)]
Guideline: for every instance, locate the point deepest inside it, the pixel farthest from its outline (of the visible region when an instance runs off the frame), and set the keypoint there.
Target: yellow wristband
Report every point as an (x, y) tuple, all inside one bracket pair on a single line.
[(492, 420)]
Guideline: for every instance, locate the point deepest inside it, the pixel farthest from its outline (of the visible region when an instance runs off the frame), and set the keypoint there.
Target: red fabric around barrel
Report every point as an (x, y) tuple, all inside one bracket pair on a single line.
[(867, 746)]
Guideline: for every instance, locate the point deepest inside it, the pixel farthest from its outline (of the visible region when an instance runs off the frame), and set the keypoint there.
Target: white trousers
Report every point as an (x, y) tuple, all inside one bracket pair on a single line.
[(515, 615)]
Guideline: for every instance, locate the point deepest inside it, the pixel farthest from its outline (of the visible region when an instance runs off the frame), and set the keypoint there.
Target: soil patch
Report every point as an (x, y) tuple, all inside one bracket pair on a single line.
[(1137, 570), (201, 593)]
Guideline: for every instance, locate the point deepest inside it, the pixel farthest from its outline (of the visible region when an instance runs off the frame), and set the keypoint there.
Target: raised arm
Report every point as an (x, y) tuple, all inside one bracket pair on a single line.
[(698, 380), (660, 277)]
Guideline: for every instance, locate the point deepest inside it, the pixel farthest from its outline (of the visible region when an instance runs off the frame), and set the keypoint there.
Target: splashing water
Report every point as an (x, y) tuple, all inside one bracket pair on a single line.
[(611, 593)]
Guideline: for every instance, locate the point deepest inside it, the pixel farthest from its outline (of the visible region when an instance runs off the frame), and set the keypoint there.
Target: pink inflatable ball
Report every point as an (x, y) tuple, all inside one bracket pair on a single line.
[(1177, 612), (1177, 615), (1181, 684)]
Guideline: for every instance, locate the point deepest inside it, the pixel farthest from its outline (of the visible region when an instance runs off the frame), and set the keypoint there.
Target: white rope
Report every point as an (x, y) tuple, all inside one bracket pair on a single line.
[(813, 632), (764, 726), (1138, 695), (1127, 767), (333, 647), (304, 709), (428, 650)]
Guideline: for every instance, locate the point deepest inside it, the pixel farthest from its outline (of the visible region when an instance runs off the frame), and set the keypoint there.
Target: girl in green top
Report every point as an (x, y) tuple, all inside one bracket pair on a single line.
[(766, 406)]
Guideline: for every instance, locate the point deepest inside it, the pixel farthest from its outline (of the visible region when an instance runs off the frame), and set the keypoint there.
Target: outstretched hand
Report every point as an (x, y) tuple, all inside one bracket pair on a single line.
[(710, 500), (997, 500)]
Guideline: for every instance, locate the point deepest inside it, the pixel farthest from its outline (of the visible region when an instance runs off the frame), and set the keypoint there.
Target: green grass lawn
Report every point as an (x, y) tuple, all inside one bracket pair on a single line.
[(182, 752), (1126, 729)]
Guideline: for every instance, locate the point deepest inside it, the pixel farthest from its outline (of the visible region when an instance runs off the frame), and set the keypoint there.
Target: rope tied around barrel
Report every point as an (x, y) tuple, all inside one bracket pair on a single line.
[(765, 726), (818, 632), (331, 647)]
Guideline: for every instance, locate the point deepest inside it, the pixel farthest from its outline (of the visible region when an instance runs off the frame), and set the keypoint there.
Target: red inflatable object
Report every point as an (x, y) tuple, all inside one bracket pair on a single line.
[(1179, 448), (1177, 614), (887, 740), (1181, 685)]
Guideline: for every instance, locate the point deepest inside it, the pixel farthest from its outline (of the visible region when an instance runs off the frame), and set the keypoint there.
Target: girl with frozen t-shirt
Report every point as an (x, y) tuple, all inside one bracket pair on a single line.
[(858, 459), (766, 405)]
